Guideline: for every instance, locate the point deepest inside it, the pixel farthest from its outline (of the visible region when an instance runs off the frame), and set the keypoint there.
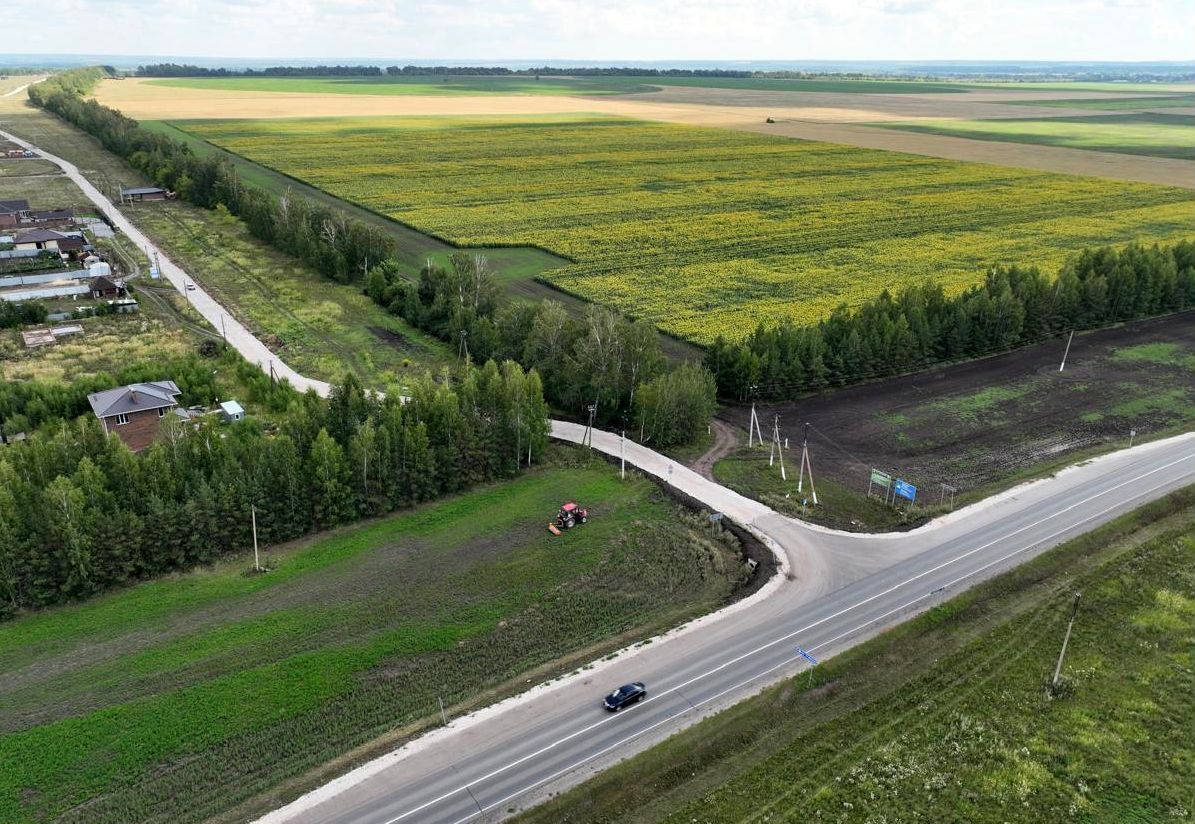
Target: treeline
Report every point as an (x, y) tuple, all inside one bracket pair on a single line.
[(324, 238), (79, 513), (921, 325), (18, 314), (28, 405), (603, 360), (187, 70)]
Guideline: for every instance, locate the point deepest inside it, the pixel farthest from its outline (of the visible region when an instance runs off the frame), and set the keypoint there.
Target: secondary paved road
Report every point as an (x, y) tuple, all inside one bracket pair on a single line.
[(833, 590), (252, 349)]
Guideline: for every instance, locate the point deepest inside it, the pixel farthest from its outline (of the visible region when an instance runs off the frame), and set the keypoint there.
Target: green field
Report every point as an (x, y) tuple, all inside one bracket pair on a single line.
[(516, 268), (1088, 86), (1160, 135), (1115, 104), (947, 718), (472, 85), (414, 85), (706, 231), (319, 327), (187, 698)]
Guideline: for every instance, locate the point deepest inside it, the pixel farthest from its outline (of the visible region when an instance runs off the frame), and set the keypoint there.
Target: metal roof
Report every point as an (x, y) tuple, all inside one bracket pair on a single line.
[(136, 397), (232, 408), (38, 236), (143, 190)]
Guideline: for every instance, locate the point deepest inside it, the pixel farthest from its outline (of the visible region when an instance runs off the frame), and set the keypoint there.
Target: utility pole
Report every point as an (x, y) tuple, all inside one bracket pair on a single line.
[(443, 715), (256, 560), (622, 455), (753, 429), (1132, 434), (776, 445), (806, 465), (1065, 640), (587, 438), (463, 353), (223, 332), (1067, 351)]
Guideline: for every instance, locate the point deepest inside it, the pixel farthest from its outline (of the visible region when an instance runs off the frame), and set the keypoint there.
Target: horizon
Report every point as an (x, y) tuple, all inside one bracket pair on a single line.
[(697, 30), (908, 66)]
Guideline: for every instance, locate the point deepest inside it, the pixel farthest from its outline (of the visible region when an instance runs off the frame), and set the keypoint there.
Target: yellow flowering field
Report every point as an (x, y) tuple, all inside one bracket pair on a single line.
[(706, 231)]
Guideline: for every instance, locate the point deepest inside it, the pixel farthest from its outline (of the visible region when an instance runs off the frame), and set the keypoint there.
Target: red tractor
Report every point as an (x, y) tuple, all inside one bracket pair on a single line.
[(568, 517)]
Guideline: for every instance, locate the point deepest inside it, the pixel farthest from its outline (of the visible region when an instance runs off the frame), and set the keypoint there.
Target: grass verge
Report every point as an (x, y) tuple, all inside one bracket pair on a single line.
[(947, 717), (215, 695)]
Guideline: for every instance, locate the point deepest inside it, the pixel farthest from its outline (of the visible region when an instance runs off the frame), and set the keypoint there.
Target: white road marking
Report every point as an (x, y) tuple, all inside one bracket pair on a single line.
[(789, 636)]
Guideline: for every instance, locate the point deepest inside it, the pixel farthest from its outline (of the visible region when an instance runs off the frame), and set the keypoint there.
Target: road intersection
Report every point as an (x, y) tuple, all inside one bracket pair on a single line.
[(832, 590)]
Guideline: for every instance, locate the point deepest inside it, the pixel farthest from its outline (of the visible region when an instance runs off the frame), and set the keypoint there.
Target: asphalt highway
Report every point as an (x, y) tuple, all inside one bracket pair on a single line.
[(847, 588)]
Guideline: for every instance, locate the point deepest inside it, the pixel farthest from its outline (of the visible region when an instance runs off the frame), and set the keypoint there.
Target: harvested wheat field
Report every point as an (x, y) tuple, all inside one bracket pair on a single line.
[(808, 115)]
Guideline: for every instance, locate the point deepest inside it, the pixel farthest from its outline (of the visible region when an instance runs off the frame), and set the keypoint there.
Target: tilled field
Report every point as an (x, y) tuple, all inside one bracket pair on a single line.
[(986, 422)]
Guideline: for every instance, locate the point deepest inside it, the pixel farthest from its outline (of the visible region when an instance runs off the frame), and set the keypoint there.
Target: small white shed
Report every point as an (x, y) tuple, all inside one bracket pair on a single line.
[(231, 411)]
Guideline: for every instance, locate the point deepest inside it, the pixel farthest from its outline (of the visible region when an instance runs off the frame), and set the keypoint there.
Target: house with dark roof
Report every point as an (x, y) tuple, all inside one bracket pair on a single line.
[(53, 217), (38, 239), (12, 212), (134, 413), (101, 287)]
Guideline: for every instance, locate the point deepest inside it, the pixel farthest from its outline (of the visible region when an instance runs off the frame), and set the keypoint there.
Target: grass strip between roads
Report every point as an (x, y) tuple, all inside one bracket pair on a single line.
[(947, 717)]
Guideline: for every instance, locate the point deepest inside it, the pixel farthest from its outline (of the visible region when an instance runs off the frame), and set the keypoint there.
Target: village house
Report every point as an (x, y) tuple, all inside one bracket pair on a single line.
[(52, 217), (12, 212), (40, 239), (134, 413), (101, 287)]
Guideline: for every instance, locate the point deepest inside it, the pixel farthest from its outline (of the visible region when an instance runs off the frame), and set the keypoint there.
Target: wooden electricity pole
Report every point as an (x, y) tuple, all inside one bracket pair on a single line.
[(1065, 640)]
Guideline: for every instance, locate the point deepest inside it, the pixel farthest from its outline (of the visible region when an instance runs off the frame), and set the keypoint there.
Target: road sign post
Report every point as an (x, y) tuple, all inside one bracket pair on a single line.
[(881, 479), (812, 663), (906, 490)]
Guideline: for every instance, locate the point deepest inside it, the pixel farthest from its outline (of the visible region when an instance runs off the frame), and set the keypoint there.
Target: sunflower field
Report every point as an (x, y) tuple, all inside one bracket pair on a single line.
[(706, 231)]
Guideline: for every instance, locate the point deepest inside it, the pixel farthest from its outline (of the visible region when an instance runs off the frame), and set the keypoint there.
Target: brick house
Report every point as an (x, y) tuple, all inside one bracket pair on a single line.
[(134, 413), (12, 212)]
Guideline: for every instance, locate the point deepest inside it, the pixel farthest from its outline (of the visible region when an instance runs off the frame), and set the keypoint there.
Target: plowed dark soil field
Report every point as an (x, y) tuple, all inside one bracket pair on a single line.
[(981, 424)]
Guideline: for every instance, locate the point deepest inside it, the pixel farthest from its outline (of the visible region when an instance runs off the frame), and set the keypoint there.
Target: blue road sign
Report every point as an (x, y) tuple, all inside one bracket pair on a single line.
[(806, 656), (906, 490)]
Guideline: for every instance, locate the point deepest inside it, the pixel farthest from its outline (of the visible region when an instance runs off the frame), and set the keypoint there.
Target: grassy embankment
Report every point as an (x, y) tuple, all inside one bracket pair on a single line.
[(321, 328), (947, 717), (214, 694), (1141, 133), (706, 231)]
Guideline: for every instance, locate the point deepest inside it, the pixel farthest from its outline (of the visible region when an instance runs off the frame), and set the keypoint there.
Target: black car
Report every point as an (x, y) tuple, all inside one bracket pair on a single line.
[(624, 696)]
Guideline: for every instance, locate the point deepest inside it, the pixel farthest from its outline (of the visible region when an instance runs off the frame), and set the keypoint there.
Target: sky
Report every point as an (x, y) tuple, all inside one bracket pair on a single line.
[(612, 30)]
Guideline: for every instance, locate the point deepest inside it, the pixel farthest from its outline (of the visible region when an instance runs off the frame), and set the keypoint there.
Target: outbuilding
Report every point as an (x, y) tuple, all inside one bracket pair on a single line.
[(101, 287), (137, 194), (231, 411)]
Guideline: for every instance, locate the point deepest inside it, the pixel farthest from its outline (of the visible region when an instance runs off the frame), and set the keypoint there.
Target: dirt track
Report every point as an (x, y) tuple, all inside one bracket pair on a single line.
[(833, 118)]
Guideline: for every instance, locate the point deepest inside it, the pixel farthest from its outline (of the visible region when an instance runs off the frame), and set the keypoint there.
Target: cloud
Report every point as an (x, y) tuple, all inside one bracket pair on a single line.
[(477, 30)]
